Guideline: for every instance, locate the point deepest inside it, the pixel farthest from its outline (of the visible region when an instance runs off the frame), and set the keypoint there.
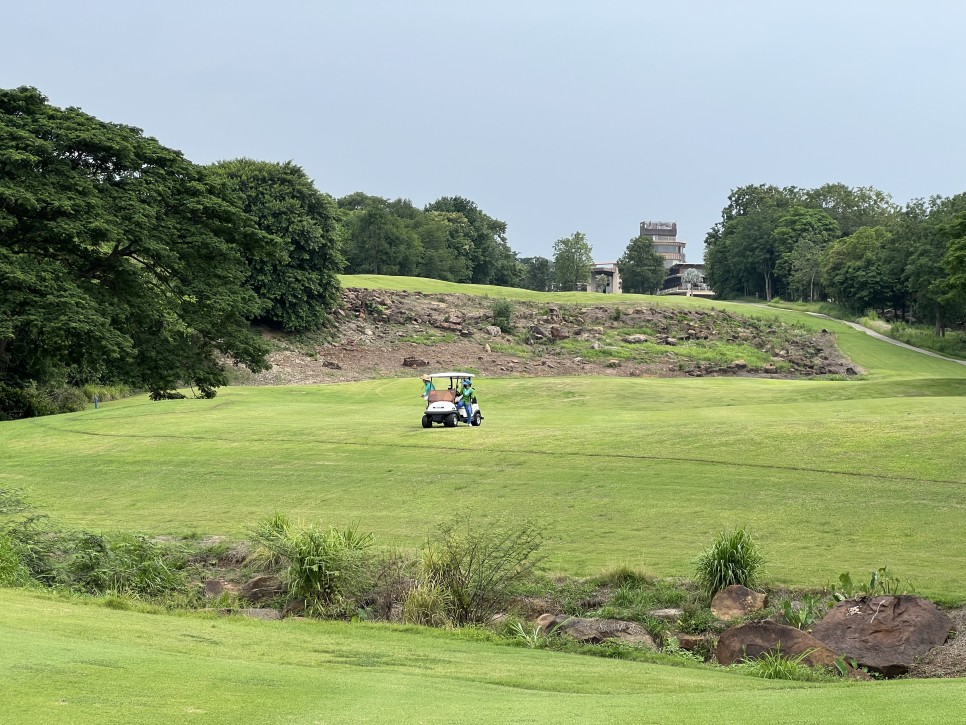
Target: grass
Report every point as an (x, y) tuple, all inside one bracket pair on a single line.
[(827, 476), (66, 662), (631, 474)]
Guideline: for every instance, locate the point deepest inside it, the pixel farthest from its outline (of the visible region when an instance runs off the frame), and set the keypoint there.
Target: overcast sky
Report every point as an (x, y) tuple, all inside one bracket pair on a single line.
[(555, 117)]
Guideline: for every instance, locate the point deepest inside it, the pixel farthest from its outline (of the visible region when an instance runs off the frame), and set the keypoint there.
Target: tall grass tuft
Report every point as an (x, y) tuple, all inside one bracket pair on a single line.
[(427, 604), (776, 666), (732, 559), (322, 566)]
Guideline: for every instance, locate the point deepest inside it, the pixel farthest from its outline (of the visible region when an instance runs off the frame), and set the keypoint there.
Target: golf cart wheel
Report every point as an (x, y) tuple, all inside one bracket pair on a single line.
[(450, 421), (477, 418), (427, 422)]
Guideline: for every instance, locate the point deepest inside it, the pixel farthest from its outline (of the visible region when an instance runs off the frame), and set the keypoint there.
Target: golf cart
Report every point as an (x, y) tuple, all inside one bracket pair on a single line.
[(441, 405)]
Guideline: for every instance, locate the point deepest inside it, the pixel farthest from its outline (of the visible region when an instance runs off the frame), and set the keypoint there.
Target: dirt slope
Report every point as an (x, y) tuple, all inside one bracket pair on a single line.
[(378, 331)]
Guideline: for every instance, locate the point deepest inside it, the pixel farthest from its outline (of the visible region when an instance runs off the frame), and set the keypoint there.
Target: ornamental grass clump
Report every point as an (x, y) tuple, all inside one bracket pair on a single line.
[(732, 559)]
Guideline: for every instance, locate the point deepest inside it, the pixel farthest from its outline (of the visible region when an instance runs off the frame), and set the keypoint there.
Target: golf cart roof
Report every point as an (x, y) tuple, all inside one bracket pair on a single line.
[(451, 375)]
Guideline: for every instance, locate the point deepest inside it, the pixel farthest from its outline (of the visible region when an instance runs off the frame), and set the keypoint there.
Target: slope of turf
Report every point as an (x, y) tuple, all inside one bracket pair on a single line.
[(65, 662), (829, 476)]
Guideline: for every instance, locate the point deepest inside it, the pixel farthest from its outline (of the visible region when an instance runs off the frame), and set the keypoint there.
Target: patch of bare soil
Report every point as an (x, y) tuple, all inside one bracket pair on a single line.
[(381, 333), (947, 660)]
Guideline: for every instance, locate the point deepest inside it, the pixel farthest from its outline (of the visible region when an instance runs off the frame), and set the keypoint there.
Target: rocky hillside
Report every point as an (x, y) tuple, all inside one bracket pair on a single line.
[(380, 333)]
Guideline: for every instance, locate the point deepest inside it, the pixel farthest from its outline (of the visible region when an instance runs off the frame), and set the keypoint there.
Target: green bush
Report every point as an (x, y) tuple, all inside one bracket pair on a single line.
[(13, 571), (124, 564), (732, 559), (322, 567), (776, 666), (503, 315), (426, 604), (477, 565)]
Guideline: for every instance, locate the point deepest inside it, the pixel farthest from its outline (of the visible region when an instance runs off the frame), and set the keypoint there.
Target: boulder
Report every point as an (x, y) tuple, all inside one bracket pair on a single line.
[(769, 369), (635, 339), (672, 614), (214, 587), (751, 640), (737, 601), (492, 330), (738, 365), (261, 588), (414, 362), (595, 631), (692, 642), (885, 634)]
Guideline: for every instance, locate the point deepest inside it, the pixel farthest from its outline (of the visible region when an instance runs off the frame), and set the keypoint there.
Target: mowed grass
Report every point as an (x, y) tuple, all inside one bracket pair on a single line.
[(65, 662), (828, 476)]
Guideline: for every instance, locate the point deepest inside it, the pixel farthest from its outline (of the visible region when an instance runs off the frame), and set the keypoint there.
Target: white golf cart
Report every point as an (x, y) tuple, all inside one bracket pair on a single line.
[(441, 405)]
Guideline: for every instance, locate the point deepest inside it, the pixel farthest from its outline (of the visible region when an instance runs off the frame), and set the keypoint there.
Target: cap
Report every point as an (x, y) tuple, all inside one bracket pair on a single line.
[(425, 378)]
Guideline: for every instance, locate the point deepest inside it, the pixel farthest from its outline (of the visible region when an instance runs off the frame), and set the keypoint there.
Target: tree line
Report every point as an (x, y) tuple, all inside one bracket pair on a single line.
[(853, 246), (122, 263)]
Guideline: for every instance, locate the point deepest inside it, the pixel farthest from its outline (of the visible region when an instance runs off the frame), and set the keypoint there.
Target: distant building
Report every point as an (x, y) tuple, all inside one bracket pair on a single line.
[(674, 284), (604, 277), (665, 236)]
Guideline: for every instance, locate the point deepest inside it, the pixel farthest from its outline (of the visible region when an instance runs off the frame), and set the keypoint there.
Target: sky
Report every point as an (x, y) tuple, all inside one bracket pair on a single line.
[(555, 117)]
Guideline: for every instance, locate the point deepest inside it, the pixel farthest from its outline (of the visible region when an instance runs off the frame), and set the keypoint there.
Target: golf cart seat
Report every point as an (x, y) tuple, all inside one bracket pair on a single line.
[(438, 396)]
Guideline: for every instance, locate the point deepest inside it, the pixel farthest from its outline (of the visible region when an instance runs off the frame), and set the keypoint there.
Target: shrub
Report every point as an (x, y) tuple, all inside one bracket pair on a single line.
[(503, 315), (804, 615), (478, 565), (732, 559), (13, 571), (322, 566), (125, 564), (776, 666), (426, 604)]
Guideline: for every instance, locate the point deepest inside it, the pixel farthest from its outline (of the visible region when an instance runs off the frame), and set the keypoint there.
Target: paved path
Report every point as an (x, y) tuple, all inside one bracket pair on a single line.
[(880, 336)]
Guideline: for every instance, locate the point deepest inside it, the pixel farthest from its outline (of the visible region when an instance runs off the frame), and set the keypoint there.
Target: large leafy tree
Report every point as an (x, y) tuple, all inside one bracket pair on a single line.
[(538, 274), (572, 260), (490, 257), (120, 260), (297, 274), (378, 239), (801, 237), (854, 271), (641, 267)]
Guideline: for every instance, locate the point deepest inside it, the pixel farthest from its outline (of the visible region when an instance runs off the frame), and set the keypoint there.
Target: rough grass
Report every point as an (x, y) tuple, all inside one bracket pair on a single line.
[(66, 662)]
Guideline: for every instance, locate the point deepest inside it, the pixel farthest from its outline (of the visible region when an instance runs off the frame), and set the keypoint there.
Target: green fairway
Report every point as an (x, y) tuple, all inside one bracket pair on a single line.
[(65, 662), (828, 476)]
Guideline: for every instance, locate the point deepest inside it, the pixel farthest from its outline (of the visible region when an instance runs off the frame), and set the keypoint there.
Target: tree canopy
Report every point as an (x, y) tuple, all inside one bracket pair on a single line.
[(296, 273), (120, 260), (572, 261), (641, 268)]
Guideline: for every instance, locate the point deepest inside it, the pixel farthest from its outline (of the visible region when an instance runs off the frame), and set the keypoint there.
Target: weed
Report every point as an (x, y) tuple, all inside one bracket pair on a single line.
[(776, 666), (323, 567), (673, 648), (734, 558), (502, 311), (477, 564), (881, 582), (427, 604), (804, 615)]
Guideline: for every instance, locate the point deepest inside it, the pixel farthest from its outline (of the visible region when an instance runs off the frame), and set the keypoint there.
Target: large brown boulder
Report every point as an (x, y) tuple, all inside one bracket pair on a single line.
[(595, 631), (885, 634), (737, 601), (751, 640)]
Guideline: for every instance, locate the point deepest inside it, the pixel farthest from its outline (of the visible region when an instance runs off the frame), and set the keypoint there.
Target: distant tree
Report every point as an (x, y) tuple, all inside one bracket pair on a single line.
[(691, 279), (538, 274), (852, 208), (854, 272), (120, 261), (801, 237), (641, 268), (491, 259), (572, 260), (955, 262), (377, 239), (298, 277)]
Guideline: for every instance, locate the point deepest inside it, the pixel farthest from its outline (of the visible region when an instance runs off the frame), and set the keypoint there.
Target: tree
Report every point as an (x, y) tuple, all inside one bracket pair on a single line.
[(853, 270), (691, 279), (955, 262), (378, 240), (298, 277), (572, 260), (491, 259), (641, 268), (120, 261), (801, 237), (538, 274)]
